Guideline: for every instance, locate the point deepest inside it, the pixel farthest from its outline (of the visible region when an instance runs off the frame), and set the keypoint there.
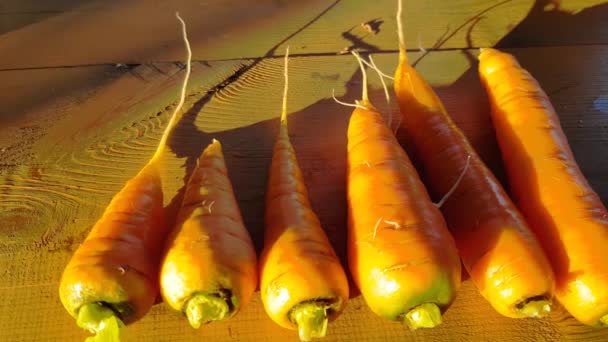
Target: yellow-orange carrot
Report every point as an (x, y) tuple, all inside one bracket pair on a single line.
[(112, 278), (303, 285), (209, 270), (551, 191), (401, 254), (501, 254)]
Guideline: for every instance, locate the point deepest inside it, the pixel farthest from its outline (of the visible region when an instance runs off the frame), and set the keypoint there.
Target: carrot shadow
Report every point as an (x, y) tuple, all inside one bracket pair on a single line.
[(548, 25), (246, 148), (248, 152)]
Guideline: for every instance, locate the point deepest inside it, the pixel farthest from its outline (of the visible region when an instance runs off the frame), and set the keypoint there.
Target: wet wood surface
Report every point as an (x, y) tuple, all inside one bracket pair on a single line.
[(86, 88)]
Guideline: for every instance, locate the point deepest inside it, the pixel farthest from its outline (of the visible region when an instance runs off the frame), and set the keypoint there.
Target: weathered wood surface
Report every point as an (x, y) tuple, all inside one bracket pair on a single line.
[(42, 34), (71, 136)]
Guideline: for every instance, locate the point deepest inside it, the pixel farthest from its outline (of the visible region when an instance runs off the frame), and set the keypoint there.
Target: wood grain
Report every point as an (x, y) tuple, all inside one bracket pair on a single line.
[(49, 200), (77, 161), (140, 31)]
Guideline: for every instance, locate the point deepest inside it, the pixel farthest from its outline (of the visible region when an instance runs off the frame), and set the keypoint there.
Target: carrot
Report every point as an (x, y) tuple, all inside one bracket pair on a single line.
[(111, 280), (303, 284), (209, 268), (548, 186), (400, 252), (501, 254)]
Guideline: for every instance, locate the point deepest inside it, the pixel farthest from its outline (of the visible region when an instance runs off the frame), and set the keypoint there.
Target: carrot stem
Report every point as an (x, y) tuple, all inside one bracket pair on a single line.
[(425, 315), (536, 308), (101, 321), (203, 308), (311, 319), (604, 320)]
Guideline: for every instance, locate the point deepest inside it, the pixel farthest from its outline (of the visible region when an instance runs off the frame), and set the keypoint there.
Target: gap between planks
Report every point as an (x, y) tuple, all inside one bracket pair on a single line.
[(300, 55)]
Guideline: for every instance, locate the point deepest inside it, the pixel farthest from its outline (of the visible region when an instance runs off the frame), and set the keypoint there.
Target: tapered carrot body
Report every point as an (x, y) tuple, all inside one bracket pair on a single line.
[(117, 265), (400, 252), (501, 254), (112, 278), (210, 267), (303, 285), (548, 186)]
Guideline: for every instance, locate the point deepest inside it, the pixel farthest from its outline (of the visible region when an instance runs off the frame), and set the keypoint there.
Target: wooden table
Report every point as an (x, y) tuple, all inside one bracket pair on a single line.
[(86, 88)]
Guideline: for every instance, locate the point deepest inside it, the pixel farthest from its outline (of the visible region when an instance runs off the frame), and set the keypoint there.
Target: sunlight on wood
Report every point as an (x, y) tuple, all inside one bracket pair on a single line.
[(70, 136)]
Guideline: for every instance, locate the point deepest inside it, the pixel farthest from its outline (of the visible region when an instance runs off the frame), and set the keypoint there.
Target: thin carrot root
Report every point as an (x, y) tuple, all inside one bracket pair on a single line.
[(285, 90), (455, 186), (311, 319), (176, 116), (376, 228), (425, 315), (364, 103), (372, 65), (386, 94), (357, 104), (101, 321), (402, 52), (364, 95), (420, 47), (203, 308), (536, 308)]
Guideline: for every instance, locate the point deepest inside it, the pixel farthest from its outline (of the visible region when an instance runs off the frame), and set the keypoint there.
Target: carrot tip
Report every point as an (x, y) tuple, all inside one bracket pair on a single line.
[(204, 308), (311, 319), (426, 315), (101, 321), (536, 308)]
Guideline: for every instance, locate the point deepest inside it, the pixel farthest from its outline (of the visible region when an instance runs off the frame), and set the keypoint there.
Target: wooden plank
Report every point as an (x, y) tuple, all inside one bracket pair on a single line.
[(24, 92), (49, 201), (92, 144), (38, 6), (139, 31), (136, 31), (15, 14)]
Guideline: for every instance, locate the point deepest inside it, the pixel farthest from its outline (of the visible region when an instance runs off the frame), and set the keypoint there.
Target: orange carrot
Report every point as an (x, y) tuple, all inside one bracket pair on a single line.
[(501, 254), (401, 254), (548, 186), (209, 269), (303, 284), (112, 278)]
